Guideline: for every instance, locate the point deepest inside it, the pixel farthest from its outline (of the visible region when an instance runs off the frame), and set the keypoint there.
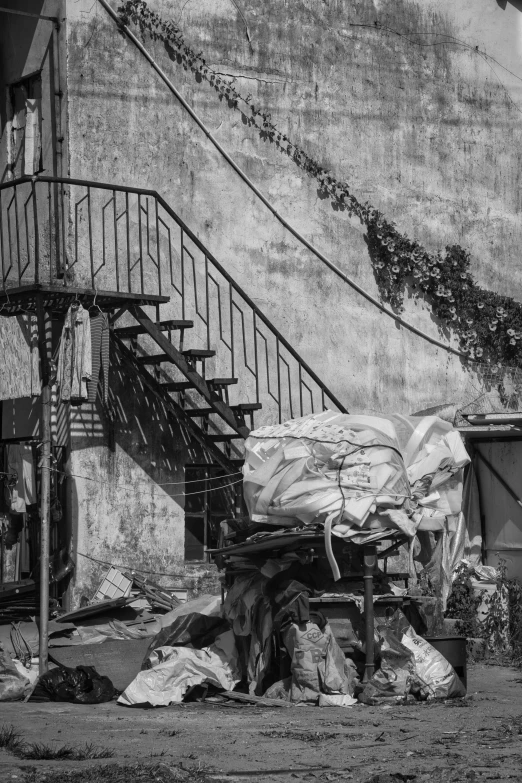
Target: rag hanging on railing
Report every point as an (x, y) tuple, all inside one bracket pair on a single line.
[(75, 356)]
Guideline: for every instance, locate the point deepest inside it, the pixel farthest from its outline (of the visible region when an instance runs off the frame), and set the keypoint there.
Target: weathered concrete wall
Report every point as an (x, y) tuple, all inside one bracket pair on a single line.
[(127, 487), (423, 126)]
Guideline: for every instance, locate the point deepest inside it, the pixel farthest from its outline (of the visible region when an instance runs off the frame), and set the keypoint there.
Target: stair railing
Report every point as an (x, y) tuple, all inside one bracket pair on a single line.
[(72, 232)]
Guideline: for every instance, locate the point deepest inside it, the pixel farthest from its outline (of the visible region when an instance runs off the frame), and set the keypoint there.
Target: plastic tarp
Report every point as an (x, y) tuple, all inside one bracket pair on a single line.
[(203, 604), (191, 630), (248, 610), (173, 670)]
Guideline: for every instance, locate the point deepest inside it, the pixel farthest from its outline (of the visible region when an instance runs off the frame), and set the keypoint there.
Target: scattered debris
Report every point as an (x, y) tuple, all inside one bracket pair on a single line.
[(303, 735)]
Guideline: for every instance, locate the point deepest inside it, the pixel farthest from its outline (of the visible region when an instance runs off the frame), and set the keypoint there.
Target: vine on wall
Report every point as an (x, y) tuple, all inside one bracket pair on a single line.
[(489, 326)]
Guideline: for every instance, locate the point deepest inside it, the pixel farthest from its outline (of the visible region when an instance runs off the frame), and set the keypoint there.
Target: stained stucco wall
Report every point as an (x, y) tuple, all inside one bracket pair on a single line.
[(419, 122), (126, 492)]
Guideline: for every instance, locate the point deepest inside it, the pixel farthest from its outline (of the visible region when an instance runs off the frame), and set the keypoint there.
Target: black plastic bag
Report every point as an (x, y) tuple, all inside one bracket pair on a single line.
[(193, 630), (82, 685)]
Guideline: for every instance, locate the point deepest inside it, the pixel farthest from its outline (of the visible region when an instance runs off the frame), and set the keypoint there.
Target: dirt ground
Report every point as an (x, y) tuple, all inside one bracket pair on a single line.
[(478, 738)]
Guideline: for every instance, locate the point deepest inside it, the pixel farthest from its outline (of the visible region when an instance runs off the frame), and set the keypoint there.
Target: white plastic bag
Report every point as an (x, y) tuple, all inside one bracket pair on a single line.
[(432, 669), (14, 685)]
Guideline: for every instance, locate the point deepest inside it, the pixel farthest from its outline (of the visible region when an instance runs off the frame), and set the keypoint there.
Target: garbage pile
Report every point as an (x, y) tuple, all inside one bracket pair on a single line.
[(126, 611), (198, 659), (293, 626), (318, 490)]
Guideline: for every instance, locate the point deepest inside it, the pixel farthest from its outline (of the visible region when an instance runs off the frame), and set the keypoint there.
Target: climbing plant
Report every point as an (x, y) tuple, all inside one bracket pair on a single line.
[(488, 325), (463, 603), (501, 626)]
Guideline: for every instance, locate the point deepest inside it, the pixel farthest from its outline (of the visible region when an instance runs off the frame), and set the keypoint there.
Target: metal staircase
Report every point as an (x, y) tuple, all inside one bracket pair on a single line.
[(201, 344)]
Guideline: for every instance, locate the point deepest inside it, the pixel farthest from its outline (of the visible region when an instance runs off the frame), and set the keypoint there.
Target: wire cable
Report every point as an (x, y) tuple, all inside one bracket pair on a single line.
[(330, 264), (452, 41), (132, 569), (151, 492)]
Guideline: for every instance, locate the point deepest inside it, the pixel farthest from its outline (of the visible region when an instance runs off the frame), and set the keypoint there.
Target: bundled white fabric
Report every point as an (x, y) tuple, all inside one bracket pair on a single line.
[(349, 472), (176, 669), (324, 465)]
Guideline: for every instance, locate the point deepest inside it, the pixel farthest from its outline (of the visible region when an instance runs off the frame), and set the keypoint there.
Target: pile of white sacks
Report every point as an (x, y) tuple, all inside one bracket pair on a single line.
[(358, 475)]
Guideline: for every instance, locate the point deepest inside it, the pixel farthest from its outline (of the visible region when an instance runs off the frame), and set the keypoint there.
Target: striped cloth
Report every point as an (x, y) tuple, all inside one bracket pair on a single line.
[(100, 356)]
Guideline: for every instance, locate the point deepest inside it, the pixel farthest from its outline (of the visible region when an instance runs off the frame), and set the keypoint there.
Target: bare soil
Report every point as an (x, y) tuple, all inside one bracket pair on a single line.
[(478, 738)]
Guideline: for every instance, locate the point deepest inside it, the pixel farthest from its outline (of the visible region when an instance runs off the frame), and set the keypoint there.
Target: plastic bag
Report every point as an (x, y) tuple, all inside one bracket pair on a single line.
[(432, 670), (394, 678), (82, 685), (176, 669), (13, 684), (336, 700), (318, 663)]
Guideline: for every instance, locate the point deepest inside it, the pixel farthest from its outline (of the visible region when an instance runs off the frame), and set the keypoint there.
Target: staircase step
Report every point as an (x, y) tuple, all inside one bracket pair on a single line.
[(243, 407), (234, 460), (198, 353), (176, 386), (221, 381), (157, 358), (224, 438), (183, 385), (195, 412), (185, 364), (214, 450), (134, 331)]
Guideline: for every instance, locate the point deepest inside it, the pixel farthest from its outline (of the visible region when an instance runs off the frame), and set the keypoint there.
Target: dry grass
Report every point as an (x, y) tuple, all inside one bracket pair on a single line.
[(11, 741), (38, 751)]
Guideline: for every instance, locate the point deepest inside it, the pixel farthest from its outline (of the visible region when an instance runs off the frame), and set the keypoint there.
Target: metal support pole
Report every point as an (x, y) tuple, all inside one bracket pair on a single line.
[(44, 345), (370, 559)]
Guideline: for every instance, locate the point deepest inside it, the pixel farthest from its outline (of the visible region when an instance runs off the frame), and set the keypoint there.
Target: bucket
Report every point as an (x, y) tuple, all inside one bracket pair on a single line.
[(453, 648)]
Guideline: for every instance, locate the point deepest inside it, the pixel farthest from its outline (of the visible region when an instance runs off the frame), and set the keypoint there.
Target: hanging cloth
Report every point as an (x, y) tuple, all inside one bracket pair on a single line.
[(100, 356), (33, 136), (19, 461), (75, 356)]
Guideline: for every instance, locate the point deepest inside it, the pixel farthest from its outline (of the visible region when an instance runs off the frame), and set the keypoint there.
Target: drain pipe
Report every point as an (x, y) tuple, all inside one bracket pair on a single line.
[(161, 73)]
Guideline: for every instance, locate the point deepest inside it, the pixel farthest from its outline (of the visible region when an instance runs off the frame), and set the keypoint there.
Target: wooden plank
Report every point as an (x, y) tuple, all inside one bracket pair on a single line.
[(258, 700)]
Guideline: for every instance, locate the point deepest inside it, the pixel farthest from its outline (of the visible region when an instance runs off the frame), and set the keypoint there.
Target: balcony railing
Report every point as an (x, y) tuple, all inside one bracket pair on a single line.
[(98, 236)]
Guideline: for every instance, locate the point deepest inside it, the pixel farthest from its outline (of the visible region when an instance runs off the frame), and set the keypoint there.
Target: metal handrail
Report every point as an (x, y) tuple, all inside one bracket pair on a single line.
[(146, 192)]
